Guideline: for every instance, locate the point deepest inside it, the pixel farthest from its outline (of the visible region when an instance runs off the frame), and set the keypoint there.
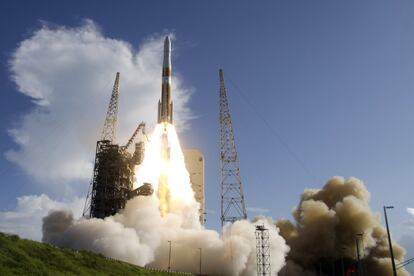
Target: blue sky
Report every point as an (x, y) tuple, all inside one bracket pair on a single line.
[(333, 79)]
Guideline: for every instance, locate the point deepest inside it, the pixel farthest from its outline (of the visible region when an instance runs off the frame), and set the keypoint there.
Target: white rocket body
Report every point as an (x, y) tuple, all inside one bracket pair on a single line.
[(165, 105)]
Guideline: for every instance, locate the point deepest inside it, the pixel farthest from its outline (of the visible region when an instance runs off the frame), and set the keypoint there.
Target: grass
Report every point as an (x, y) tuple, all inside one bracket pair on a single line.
[(26, 257)]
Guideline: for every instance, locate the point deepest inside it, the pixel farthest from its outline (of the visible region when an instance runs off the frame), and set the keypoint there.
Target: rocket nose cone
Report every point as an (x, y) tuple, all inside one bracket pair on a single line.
[(167, 44), (167, 39), (167, 52)]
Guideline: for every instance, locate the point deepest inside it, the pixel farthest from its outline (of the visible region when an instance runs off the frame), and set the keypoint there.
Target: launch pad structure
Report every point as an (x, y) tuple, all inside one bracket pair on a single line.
[(112, 180), (114, 169), (112, 183), (113, 175)]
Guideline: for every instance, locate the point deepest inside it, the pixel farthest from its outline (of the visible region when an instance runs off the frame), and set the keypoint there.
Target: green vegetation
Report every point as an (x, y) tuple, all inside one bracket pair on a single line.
[(26, 257)]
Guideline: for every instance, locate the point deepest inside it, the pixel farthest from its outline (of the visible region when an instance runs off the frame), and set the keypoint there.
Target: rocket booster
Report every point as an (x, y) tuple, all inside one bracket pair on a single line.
[(165, 105)]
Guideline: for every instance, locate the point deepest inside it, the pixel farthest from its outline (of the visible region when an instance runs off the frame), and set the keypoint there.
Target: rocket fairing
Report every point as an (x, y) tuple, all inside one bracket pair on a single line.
[(165, 105)]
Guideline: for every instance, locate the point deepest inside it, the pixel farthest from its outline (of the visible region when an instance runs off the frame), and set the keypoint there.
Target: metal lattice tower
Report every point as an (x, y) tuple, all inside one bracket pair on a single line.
[(232, 198), (110, 126), (112, 176), (262, 251)]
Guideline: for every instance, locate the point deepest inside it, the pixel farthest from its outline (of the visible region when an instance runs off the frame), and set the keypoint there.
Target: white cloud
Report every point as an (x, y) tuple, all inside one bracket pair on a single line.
[(26, 219), (69, 73), (257, 210), (409, 223)]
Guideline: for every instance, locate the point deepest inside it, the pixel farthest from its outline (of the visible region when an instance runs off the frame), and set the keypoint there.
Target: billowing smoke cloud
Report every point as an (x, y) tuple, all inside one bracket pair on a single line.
[(69, 73), (139, 235), (327, 222)]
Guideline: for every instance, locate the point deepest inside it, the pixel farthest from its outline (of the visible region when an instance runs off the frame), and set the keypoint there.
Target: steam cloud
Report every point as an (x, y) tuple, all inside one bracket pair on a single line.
[(326, 225), (141, 232), (139, 235), (327, 222)]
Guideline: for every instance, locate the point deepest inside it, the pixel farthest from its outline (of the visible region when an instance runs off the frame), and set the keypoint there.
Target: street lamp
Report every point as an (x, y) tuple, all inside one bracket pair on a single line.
[(200, 260), (389, 240), (169, 258)]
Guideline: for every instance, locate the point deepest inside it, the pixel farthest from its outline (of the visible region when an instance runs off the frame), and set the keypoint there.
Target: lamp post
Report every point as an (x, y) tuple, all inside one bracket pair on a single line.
[(200, 260), (169, 258), (389, 240)]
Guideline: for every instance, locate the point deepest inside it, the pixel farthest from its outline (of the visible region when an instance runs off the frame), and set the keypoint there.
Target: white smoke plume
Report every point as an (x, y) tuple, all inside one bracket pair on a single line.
[(141, 232), (140, 235)]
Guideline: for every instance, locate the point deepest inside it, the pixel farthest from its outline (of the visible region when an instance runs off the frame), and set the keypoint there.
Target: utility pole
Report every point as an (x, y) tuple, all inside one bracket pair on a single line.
[(394, 271), (232, 198), (169, 258)]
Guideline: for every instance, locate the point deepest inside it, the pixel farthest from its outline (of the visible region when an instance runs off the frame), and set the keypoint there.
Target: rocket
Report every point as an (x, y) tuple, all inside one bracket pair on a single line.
[(165, 105)]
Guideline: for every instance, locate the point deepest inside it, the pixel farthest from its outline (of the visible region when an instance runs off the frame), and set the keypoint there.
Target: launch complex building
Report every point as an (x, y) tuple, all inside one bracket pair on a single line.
[(114, 169)]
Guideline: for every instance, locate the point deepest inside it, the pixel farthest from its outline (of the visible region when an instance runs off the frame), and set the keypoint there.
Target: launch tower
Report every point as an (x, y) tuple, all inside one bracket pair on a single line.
[(113, 174)]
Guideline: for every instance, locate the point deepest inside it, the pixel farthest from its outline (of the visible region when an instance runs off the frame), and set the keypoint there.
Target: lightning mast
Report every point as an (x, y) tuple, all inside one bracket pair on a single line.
[(111, 120), (232, 198)]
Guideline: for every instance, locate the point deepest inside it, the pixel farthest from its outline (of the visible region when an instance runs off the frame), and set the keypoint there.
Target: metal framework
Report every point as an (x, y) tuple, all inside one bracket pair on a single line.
[(232, 198), (113, 174), (110, 126), (112, 180), (141, 127), (262, 251)]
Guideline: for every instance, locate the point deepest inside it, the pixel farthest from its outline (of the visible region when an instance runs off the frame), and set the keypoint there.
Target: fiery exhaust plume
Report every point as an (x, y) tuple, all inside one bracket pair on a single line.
[(164, 167)]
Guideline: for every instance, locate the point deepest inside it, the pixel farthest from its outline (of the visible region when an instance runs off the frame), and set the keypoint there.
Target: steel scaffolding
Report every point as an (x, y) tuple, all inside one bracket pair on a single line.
[(262, 251)]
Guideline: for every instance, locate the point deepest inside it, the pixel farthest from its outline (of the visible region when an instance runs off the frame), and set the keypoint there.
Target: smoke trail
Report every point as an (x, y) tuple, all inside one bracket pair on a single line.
[(327, 222), (140, 233)]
